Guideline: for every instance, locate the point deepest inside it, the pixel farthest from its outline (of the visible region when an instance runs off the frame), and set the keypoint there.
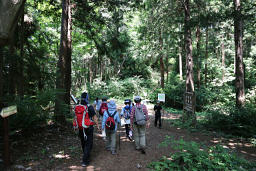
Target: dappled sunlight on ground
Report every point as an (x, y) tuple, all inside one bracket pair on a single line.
[(61, 149)]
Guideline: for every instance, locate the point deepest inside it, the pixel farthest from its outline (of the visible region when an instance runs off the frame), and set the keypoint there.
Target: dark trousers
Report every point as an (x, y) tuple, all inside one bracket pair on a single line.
[(158, 118), (86, 142), (127, 129)]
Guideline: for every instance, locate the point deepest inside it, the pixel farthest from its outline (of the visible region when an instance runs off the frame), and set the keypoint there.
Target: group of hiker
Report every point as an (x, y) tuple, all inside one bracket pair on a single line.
[(133, 116)]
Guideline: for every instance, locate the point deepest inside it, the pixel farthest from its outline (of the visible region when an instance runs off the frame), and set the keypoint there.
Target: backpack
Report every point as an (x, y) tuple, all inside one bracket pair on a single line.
[(110, 122), (82, 119), (103, 108), (140, 118)]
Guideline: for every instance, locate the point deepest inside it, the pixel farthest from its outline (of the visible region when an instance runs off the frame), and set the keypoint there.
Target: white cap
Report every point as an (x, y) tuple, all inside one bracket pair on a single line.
[(137, 98)]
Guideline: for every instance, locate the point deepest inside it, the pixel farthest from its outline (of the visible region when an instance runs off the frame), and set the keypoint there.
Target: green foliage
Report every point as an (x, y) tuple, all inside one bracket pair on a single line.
[(240, 122), (193, 156), (33, 111), (120, 89)]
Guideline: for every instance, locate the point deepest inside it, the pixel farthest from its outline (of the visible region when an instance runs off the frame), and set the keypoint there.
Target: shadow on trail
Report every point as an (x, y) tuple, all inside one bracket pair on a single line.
[(55, 149)]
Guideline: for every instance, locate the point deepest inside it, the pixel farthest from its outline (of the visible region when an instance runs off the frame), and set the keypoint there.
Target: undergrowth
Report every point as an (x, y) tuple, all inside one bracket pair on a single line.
[(194, 156)]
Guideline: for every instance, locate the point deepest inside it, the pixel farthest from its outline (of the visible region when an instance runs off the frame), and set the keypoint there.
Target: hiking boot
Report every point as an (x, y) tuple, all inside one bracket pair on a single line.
[(113, 152), (143, 151)]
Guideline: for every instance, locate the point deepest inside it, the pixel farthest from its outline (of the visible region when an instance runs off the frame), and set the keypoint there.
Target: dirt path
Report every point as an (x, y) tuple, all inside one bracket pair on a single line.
[(53, 149)]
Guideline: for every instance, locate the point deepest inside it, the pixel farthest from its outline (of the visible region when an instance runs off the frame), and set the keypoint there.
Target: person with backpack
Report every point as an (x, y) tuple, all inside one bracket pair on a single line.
[(85, 118), (139, 120), (126, 111), (97, 104), (109, 124), (157, 109), (103, 108)]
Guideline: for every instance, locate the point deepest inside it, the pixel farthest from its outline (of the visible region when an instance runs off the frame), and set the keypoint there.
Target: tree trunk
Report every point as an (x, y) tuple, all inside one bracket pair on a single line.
[(161, 60), (223, 60), (61, 66), (1, 76), (198, 37), (189, 58), (167, 64), (180, 63), (12, 69), (68, 57), (206, 57), (240, 93), (21, 59)]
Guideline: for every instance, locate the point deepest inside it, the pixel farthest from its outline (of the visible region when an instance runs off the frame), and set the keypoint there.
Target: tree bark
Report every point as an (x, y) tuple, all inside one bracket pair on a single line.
[(189, 115), (206, 57), (68, 57), (223, 60), (167, 64), (180, 63), (189, 58), (161, 60), (238, 24), (61, 66), (198, 37), (1, 76), (21, 59)]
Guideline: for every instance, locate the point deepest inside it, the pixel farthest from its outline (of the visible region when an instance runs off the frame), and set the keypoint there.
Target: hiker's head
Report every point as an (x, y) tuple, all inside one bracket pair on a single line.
[(127, 102), (158, 102), (97, 98), (137, 99), (111, 105), (104, 99), (84, 98)]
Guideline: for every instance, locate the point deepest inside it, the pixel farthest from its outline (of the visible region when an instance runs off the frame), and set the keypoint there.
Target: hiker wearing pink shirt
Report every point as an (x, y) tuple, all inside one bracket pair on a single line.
[(139, 120)]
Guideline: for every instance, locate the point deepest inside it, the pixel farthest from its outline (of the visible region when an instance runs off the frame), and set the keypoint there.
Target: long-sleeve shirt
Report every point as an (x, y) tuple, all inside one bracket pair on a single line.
[(123, 112), (144, 109), (105, 117)]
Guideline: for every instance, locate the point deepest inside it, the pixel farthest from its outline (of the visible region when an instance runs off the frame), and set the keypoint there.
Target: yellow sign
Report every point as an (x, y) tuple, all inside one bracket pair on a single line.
[(161, 97), (7, 111)]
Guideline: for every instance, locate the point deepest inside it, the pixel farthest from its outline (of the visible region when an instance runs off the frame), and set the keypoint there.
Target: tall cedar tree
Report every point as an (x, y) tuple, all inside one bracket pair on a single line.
[(62, 81), (161, 59), (189, 59), (240, 94)]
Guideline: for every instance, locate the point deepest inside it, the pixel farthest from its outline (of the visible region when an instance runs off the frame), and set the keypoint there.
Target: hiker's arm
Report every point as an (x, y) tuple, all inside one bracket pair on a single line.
[(122, 112), (147, 117), (131, 117)]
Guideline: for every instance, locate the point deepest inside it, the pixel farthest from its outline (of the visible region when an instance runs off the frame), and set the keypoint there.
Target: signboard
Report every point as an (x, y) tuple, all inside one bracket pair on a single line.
[(7, 111), (189, 102), (161, 97)]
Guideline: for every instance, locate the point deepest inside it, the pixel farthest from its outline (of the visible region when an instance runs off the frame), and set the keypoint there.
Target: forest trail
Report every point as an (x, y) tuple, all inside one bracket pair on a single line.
[(54, 149)]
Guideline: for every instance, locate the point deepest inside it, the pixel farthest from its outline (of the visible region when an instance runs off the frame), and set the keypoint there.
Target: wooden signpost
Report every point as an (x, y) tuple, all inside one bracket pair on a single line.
[(7, 111)]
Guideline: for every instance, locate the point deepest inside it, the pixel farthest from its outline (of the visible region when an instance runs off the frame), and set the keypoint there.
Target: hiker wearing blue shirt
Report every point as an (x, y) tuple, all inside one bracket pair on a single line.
[(126, 111), (97, 104), (109, 123)]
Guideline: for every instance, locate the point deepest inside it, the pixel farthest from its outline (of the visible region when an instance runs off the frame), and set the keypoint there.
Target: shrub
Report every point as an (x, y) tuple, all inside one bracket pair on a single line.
[(33, 111), (193, 156)]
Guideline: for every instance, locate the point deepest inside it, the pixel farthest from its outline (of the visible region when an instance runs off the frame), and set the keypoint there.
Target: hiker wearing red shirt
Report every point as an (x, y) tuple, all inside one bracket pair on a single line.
[(139, 120)]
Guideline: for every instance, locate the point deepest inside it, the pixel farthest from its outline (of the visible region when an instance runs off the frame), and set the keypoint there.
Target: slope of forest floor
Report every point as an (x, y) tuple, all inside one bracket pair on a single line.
[(59, 149)]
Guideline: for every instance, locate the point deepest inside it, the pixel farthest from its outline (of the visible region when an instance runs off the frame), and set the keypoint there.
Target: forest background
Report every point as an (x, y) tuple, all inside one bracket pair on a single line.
[(122, 48)]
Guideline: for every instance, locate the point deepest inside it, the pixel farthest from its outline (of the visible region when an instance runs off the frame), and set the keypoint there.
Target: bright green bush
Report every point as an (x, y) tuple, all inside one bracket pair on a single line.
[(33, 111), (193, 156), (240, 122)]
